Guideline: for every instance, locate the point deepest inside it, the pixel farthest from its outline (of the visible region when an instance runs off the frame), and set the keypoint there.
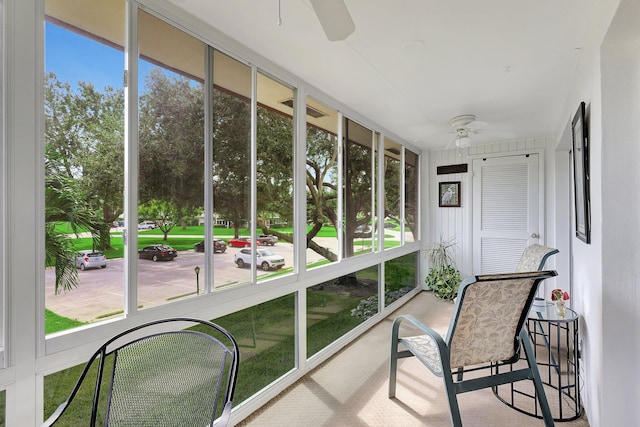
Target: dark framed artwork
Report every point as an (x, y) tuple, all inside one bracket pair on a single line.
[(581, 174), (449, 194)]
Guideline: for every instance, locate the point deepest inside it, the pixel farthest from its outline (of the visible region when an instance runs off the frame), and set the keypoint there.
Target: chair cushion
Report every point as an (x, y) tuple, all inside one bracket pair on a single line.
[(425, 348), (486, 327), (533, 258)]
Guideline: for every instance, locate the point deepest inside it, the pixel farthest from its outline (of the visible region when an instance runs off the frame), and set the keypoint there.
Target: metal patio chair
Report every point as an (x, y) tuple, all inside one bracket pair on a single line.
[(158, 374), (486, 331)]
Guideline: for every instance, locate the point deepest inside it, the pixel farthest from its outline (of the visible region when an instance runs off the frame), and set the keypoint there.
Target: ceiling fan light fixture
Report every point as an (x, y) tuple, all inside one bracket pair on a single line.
[(463, 139)]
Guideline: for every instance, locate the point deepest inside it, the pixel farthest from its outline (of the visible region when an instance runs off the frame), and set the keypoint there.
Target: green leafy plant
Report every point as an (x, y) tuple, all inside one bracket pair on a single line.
[(444, 277)]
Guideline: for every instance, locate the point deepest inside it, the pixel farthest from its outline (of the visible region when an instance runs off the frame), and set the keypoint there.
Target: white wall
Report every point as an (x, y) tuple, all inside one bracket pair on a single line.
[(604, 272), (620, 68)]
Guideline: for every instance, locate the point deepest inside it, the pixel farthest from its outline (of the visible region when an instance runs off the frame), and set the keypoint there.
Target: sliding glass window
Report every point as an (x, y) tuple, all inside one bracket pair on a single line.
[(321, 184), (84, 161), (274, 171), (231, 168), (337, 306), (411, 174), (358, 188), (171, 161), (392, 201)]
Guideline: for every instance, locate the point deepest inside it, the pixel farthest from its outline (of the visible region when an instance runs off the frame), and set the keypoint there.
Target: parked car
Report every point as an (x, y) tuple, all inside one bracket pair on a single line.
[(363, 229), (218, 246), (157, 253), (240, 242), (147, 225), (265, 259), (90, 259), (267, 239)]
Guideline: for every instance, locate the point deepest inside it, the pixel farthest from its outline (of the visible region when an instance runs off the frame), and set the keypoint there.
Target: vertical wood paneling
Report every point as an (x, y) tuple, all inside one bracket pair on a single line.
[(457, 222)]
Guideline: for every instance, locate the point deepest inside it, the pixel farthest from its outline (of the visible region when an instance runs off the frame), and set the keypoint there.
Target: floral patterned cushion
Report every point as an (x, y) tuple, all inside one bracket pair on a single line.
[(533, 258), (487, 322), (427, 349)]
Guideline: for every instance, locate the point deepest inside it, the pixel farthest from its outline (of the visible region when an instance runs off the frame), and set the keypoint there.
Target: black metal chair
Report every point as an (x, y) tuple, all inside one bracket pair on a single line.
[(169, 372), (486, 331)]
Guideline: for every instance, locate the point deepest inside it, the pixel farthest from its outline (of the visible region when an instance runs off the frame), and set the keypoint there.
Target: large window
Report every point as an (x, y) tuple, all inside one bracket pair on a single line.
[(337, 306), (274, 170), (206, 153), (358, 188), (84, 162), (321, 184), (171, 71), (400, 277), (411, 170), (392, 200), (231, 165)]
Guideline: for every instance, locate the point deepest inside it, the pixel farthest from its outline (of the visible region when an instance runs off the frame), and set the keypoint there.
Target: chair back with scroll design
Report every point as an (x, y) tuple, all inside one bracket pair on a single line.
[(176, 371)]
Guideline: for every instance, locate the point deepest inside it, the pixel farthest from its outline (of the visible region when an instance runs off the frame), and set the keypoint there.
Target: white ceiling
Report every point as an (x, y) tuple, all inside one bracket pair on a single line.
[(412, 65)]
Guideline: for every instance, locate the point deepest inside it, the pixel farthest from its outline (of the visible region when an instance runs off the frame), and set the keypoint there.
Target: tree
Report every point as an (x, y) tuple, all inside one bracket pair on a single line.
[(164, 214), (84, 131), (64, 203), (322, 157), (231, 158), (172, 142)]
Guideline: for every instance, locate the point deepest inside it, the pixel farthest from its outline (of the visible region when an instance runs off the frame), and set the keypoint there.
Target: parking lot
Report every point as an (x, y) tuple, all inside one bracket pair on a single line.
[(101, 291)]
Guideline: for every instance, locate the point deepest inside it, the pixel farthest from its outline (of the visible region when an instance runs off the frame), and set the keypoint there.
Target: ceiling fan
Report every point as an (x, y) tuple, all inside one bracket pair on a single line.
[(334, 18), (463, 126), (466, 125)]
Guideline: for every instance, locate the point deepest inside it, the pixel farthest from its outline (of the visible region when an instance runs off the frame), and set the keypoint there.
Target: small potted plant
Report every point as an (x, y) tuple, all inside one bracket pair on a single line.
[(559, 297), (444, 277)]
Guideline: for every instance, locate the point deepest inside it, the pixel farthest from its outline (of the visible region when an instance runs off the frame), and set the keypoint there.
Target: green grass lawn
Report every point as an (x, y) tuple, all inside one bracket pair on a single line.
[(179, 243), (265, 334)]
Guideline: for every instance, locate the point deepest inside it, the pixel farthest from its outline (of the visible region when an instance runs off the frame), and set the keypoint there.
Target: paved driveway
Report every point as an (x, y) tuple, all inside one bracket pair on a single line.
[(101, 291)]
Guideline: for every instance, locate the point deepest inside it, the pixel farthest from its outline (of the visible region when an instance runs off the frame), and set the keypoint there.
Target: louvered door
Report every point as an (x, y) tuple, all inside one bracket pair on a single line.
[(506, 217)]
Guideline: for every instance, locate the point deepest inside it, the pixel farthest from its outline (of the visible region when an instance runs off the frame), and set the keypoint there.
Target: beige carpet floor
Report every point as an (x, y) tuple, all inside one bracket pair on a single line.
[(350, 389)]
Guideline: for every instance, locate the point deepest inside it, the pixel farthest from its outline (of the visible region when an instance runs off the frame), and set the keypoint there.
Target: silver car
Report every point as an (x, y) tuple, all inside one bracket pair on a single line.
[(266, 259), (90, 259)]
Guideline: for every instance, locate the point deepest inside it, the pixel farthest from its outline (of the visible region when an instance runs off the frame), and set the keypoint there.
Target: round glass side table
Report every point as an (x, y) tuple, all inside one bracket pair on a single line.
[(555, 343)]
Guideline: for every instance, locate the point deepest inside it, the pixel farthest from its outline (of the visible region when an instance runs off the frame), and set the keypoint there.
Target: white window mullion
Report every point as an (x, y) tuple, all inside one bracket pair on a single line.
[(254, 171), (208, 169), (340, 192), (300, 220), (131, 155), (403, 210)]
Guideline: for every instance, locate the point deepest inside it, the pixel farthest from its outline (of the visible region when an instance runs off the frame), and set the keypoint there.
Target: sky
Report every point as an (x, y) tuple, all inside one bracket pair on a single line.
[(75, 58)]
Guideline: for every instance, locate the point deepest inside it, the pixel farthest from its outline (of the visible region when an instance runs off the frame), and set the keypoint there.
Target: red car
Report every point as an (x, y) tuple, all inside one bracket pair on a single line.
[(240, 242)]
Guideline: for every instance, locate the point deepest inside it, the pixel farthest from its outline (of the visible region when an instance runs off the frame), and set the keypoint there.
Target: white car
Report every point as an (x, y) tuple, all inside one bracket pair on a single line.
[(265, 259), (147, 225), (90, 259)]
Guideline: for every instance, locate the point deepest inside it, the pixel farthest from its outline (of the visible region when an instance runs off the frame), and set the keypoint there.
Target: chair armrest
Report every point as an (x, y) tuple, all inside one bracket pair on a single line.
[(223, 420), (422, 348), (56, 414)]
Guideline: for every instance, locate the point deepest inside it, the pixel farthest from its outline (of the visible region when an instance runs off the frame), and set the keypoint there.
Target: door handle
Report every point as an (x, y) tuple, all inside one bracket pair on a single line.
[(534, 235)]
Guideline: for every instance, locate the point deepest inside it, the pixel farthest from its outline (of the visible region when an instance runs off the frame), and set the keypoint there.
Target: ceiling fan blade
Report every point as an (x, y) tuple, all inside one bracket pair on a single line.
[(334, 18), (476, 124)]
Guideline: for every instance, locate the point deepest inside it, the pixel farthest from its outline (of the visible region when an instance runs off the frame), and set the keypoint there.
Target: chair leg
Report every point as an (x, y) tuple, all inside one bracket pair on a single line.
[(537, 381), (393, 359), (454, 409)]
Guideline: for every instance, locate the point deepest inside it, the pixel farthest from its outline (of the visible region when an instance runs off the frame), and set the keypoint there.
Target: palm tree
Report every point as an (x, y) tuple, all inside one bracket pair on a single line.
[(64, 203)]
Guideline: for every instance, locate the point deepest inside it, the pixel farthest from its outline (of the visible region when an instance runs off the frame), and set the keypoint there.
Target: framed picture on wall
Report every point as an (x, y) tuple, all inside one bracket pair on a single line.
[(581, 174), (449, 194)]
